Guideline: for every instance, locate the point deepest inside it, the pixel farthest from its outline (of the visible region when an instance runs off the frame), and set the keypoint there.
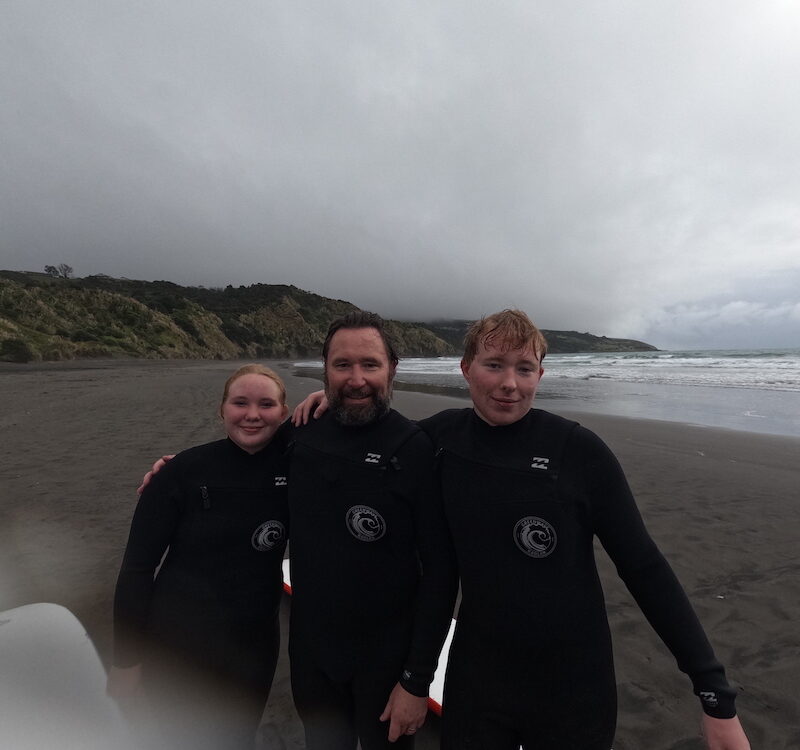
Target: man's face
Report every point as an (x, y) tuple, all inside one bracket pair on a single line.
[(358, 376), (502, 383)]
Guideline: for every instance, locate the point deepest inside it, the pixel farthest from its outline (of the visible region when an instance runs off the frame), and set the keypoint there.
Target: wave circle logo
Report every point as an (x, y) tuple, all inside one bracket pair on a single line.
[(268, 536), (365, 523), (535, 537)]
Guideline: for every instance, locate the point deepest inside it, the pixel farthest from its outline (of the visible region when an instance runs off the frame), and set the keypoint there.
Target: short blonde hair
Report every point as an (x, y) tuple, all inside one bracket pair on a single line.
[(253, 369), (509, 329)]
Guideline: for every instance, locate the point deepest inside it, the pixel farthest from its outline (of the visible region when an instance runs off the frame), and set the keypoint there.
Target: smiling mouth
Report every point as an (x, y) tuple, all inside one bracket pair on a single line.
[(357, 396)]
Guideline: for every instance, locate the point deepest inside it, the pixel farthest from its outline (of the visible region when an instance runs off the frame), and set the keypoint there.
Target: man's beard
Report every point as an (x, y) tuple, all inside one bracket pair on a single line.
[(355, 415)]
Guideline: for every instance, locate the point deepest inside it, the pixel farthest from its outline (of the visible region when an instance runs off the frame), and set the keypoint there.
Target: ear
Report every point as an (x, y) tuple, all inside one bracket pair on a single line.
[(465, 369)]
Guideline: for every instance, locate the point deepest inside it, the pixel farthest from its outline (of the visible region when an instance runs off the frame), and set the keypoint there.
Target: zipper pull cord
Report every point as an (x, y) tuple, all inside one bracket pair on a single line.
[(206, 498)]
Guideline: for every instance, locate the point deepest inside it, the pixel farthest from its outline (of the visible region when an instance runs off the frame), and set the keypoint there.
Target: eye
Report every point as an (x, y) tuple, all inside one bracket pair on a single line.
[(267, 404)]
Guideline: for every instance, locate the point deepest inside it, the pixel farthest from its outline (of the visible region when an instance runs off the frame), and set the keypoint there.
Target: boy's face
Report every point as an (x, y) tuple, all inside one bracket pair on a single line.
[(502, 383)]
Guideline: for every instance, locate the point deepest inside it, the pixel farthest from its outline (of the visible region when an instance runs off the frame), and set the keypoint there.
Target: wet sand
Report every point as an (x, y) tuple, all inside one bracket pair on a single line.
[(724, 507)]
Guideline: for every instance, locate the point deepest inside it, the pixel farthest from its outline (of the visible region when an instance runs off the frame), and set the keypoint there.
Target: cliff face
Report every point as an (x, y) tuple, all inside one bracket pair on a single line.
[(558, 342), (46, 318)]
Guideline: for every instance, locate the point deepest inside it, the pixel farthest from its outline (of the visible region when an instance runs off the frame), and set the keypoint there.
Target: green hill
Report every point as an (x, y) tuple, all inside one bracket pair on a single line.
[(558, 342), (48, 318)]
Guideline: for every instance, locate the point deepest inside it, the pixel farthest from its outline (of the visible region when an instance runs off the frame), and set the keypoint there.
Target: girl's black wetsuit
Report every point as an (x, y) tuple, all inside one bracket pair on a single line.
[(205, 627), (531, 662)]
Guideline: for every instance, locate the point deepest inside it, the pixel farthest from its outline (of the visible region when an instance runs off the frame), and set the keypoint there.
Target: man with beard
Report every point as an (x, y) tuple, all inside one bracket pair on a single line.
[(373, 573), (525, 493), (373, 570)]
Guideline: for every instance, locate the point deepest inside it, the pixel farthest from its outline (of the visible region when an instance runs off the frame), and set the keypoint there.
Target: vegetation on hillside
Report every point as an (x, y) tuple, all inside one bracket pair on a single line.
[(52, 316), (44, 317), (558, 342)]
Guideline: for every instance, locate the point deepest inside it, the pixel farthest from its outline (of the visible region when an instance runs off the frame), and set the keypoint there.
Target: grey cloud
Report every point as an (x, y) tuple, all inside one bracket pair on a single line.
[(603, 166)]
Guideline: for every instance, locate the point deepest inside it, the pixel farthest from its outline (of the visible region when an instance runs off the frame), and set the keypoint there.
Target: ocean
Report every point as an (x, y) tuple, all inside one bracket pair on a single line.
[(750, 390)]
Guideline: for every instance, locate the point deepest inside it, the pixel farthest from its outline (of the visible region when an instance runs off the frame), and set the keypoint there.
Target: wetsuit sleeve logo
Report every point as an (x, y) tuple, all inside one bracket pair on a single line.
[(365, 523), (535, 537), (268, 536), (709, 698)]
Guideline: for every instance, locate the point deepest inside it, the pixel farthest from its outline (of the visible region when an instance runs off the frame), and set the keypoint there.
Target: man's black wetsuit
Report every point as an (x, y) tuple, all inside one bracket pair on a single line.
[(366, 521), (531, 661), (205, 629)]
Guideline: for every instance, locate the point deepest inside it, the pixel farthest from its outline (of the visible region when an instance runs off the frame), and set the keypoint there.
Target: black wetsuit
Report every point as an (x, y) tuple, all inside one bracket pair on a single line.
[(366, 521), (205, 628), (531, 661)]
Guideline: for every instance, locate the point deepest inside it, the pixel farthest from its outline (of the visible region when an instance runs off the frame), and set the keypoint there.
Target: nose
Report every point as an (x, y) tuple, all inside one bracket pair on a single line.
[(252, 412), (508, 381), (357, 378)]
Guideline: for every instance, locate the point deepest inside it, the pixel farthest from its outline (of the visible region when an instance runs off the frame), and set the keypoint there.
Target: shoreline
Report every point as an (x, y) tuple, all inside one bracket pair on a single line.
[(721, 504), (555, 397), (559, 395)]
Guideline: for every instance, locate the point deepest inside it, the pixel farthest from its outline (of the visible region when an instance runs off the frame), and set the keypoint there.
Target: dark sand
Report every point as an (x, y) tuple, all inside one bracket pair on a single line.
[(724, 507)]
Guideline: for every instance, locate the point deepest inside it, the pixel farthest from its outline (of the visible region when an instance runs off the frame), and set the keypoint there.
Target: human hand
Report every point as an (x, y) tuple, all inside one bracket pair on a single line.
[(405, 713), (157, 466), (306, 408), (723, 734)]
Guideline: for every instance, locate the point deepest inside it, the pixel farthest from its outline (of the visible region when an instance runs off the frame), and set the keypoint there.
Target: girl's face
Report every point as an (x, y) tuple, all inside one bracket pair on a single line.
[(253, 411)]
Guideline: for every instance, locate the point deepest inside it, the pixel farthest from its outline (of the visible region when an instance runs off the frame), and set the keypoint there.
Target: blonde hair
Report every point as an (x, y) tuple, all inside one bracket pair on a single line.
[(253, 369), (509, 329)]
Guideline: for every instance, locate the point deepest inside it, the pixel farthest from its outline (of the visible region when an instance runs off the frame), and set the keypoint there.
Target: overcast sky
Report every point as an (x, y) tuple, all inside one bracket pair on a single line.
[(625, 168)]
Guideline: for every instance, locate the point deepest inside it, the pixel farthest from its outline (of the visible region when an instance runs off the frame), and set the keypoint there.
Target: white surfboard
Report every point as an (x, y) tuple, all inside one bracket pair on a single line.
[(52, 684)]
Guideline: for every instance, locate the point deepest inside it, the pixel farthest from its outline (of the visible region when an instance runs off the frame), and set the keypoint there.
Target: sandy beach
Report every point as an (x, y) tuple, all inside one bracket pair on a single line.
[(723, 506)]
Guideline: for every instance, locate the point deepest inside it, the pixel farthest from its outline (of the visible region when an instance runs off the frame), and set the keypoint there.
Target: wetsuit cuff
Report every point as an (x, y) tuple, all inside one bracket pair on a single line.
[(416, 683), (718, 706)]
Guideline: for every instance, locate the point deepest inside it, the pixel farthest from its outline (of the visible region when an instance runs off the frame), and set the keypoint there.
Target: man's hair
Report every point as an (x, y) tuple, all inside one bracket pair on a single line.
[(361, 319), (507, 330)]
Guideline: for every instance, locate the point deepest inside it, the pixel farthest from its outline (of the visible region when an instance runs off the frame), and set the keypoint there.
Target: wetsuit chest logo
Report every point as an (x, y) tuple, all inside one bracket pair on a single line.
[(280, 481), (535, 537), (365, 523), (268, 536)]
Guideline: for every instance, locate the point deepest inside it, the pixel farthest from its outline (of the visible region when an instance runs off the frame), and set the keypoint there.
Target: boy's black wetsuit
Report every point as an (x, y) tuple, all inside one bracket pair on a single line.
[(205, 629), (366, 522), (531, 662)]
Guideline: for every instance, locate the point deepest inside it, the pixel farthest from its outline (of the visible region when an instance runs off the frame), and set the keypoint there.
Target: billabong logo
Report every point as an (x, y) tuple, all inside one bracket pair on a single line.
[(280, 481), (365, 523), (372, 458), (535, 536), (268, 536), (539, 462), (709, 698)]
